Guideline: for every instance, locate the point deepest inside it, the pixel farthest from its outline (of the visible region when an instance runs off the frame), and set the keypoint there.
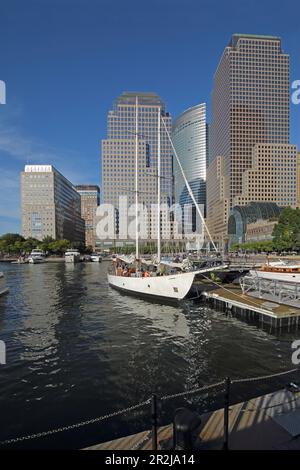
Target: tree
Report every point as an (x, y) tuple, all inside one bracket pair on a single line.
[(59, 246), (44, 245), (287, 232), (10, 243), (29, 244)]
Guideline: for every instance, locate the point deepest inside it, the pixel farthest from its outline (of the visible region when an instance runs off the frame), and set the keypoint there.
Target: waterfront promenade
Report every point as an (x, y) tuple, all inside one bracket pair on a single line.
[(268, 422)]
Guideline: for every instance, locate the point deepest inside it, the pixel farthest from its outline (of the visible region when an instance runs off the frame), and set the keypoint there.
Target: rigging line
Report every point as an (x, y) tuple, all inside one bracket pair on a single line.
[(188, 186), (134, 191), (234, 293)]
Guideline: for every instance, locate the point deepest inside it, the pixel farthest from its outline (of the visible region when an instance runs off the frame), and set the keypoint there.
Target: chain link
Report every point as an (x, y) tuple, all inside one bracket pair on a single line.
[(77, 425)]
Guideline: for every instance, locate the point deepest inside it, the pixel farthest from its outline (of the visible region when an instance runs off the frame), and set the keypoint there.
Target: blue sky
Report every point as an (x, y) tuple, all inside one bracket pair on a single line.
[(65, 61)]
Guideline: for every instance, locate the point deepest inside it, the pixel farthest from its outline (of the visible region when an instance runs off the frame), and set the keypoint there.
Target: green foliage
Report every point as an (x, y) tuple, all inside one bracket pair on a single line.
[(287, 232), (11, 238), (45, 244), (266, 246), (214, 277), (15, 244), (286, 235), (59, 247)]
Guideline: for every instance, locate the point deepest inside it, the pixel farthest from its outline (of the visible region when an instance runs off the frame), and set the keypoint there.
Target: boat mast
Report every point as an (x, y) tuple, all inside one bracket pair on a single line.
[(136, 181), (158, 188), (188, 187)]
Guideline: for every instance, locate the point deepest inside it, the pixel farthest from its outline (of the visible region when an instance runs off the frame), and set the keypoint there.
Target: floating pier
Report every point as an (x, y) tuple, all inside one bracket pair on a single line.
[(230, 299)]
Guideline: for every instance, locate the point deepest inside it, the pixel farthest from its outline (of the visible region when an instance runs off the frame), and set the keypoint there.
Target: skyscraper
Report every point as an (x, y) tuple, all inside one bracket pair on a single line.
[(50, 205), (189, 136), (90, 200), (250, 105), (119, 150)]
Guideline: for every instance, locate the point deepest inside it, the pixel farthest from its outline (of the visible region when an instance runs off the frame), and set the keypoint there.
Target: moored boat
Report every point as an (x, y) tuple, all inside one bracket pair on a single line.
[(96, 258), (171, 287), (170, 280), (36, 257), (279, 271), (72, 256)]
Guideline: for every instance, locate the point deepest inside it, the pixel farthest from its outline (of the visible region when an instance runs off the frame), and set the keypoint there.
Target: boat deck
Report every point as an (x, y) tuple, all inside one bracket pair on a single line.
[(264, 423)]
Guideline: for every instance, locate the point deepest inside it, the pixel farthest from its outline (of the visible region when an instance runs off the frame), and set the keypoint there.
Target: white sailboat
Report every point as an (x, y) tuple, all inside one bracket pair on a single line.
[(170, 287)]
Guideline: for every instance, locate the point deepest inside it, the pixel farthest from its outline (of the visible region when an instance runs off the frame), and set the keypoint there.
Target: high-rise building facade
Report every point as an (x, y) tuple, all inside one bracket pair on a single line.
[(119, 152), (189, 136), (272, 176), (250, 105), (218, 210), (298, 179), (50, 205), (90, 200)]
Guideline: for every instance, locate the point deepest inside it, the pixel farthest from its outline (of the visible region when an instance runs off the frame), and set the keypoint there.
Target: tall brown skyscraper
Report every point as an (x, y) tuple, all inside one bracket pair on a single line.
[(250, 105), (90, 200)]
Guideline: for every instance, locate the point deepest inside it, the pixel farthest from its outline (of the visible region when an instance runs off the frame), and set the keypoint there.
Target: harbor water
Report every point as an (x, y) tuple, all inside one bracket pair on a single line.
[(76, 349)]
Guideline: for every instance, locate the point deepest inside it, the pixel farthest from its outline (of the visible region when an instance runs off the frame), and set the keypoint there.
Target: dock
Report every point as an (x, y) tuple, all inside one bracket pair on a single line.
[(267, 422), (230, 299)]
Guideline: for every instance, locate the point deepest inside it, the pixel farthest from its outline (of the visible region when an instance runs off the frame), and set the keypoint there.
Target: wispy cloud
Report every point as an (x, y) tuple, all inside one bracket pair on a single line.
[(24, 148), (9, 192), (16, 150)]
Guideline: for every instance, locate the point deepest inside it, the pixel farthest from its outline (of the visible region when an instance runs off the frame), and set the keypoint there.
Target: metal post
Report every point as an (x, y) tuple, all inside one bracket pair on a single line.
[(154, 421), (226, 412)]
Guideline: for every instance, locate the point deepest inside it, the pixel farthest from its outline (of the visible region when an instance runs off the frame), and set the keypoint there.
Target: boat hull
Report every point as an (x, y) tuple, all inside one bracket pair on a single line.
[(163, 288), (72, 259), (145, 296), (284, 277), (36, 261)]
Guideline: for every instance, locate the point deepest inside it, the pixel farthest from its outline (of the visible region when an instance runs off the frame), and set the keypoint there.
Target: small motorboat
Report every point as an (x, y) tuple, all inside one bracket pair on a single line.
[(72, 256), (36, 257), (96, 258)]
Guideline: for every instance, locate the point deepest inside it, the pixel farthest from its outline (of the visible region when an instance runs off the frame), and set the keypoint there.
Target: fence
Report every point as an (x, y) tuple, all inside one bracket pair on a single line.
[(155, 405)]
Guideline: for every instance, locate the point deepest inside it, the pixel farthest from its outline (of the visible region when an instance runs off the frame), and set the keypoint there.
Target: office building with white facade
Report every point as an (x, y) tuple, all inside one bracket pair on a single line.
[(50, 205)]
